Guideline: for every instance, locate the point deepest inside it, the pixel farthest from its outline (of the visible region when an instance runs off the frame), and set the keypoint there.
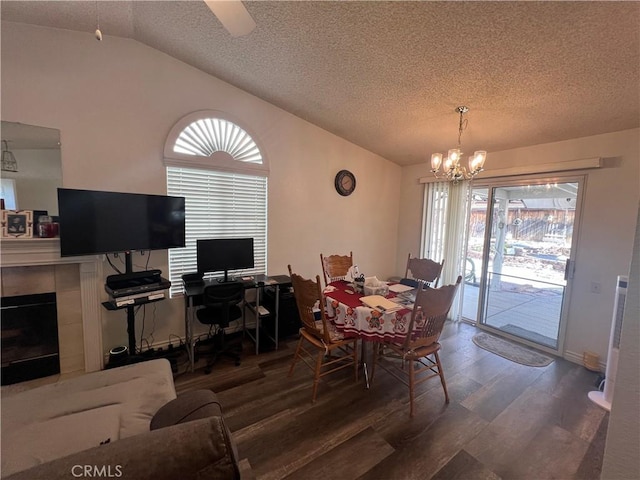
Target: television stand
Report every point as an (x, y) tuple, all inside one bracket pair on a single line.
[(130, 302), (225, 279)]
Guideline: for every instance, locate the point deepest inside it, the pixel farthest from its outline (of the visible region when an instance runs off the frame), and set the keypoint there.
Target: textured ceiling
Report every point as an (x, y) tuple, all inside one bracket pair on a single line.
[(388, 75)]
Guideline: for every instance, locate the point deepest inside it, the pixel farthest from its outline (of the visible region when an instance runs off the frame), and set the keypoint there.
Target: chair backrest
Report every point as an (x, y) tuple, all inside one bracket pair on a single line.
[(308, 295), (424, 270), (430, 311), (335, 267), (221, 297)]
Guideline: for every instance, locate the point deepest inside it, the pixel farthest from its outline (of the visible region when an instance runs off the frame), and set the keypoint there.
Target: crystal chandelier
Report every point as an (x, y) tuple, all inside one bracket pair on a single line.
[(451, 168), (9, 163)]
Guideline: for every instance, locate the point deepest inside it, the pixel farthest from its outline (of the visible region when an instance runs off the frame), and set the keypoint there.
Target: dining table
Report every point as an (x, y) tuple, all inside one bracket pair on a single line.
[(353, 318)]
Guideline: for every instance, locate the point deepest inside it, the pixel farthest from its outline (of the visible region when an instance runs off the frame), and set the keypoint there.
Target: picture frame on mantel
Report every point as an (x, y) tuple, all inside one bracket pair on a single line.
[(17, 224)]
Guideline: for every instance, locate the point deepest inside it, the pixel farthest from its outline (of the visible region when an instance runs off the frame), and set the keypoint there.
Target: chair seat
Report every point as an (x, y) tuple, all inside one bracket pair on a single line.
[(334, 334), (416, 353), (336, 341)]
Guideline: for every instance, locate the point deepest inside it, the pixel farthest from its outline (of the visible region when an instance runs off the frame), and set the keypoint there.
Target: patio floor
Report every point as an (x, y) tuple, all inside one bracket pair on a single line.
[(532, 313)]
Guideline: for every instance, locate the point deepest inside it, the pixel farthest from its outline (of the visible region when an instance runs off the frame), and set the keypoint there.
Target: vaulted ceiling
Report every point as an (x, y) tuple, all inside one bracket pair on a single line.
[(388, 75)]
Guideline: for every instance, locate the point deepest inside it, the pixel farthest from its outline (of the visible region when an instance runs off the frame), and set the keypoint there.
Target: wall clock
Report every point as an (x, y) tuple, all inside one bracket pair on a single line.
[(345, 182)]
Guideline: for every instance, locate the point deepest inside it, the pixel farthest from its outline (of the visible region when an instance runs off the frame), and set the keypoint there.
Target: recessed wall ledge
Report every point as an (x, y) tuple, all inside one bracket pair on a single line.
[(26, 252)]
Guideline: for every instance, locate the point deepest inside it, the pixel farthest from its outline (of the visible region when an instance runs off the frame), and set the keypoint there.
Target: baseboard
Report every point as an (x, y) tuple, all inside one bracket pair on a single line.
[(574, 357), (177, 340)]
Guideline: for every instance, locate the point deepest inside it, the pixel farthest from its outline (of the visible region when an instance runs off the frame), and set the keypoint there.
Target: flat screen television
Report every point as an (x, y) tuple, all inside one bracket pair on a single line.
[(224, 254), (95, 222)]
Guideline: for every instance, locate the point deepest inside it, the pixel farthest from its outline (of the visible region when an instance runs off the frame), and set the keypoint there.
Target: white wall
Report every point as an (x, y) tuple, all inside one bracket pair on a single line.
[(114, 103), (621, 460), (607, 228)]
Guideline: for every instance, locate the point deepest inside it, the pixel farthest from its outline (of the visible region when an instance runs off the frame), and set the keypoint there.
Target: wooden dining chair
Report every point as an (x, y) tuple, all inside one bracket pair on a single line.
[(423, 271), (335, 267), (416, 359), (321, 347)]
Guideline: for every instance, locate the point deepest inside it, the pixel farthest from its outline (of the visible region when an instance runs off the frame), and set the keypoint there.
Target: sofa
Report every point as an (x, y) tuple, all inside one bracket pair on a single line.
[(125, 422)]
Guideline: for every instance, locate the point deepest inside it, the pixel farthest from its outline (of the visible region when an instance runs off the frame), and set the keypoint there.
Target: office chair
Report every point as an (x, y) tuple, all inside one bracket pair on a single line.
[(220, 302)]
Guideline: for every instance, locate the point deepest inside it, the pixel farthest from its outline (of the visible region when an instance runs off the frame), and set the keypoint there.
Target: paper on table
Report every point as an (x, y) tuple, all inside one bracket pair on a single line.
[(380, 303), (400, 288)]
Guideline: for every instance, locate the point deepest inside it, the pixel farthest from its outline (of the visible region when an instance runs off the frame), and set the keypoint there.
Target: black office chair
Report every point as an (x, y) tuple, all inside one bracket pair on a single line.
[(220, 302)]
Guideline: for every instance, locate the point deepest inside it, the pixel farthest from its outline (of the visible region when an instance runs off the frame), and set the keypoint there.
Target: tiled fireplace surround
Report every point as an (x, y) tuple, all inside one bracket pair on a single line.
[(30, 266)]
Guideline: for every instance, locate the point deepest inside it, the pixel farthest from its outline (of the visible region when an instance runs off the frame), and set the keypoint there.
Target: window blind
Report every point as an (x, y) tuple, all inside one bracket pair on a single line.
[(218, 205), (434, 222)]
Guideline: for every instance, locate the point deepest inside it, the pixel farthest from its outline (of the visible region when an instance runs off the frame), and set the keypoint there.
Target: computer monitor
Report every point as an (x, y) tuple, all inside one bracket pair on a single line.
[(224, 254)]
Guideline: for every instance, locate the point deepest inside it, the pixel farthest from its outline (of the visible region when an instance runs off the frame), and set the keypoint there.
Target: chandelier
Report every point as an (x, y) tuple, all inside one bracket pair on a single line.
[(451, 168), (9, 163)]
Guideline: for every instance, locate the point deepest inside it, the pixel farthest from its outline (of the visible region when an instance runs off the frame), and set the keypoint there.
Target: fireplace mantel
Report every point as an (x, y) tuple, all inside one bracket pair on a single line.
[(46, 251)]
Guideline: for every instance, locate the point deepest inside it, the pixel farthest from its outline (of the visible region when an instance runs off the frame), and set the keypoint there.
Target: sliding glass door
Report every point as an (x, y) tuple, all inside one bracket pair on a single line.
[(520, 244)]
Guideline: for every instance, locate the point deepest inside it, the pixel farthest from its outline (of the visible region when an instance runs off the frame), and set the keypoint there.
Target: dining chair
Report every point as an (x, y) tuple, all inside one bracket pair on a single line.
[(422, 271), (335, 267), (321, 347), (415, 359)]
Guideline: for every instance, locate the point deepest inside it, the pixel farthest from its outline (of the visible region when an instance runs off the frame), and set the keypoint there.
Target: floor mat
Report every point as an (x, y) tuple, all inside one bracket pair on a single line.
[(511, 351)]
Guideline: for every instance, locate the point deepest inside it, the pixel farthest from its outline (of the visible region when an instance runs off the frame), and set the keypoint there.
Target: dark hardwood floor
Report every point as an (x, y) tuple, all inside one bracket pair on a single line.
[(504, 421)]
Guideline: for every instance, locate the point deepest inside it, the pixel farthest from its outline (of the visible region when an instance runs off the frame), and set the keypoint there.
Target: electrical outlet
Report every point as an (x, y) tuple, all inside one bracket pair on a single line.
[(596, 287)]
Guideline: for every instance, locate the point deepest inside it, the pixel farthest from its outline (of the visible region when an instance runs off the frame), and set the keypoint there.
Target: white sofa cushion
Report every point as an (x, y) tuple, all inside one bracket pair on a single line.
[(42, 442), (117, 403)]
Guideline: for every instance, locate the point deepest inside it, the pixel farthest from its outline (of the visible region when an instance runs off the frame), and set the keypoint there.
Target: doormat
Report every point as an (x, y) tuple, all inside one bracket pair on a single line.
[(511, 351)]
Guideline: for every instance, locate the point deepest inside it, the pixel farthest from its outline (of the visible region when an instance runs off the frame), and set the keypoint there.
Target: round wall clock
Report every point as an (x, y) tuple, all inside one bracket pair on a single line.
[(345, 182)]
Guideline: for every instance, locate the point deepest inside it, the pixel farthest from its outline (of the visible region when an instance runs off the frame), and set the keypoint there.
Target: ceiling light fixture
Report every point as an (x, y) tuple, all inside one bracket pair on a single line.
[(9, 163), (451, 168)]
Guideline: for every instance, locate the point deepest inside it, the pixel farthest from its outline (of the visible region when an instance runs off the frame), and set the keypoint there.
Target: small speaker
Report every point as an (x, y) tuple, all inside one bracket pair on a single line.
[(118, 356)]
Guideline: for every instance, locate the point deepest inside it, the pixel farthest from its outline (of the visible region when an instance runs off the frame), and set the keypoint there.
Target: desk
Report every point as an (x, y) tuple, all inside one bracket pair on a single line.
[(193, 298)]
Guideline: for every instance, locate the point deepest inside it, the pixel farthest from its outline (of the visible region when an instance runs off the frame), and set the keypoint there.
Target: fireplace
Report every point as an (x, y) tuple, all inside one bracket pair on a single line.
[(35, 267), (29, 334)]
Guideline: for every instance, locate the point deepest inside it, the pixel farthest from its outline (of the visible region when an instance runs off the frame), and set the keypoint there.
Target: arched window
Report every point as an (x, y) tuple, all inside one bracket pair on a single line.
[(222, 173)]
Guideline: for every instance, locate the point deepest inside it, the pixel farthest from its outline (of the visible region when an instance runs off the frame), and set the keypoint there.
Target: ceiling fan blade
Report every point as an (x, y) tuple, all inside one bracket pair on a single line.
[(233, 15)]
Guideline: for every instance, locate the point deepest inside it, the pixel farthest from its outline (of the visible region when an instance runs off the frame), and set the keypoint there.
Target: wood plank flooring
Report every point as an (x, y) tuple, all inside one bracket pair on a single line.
[(504, 421)]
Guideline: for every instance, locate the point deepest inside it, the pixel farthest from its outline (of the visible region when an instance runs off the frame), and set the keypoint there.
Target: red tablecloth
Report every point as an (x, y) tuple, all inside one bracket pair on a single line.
[(357, 320)]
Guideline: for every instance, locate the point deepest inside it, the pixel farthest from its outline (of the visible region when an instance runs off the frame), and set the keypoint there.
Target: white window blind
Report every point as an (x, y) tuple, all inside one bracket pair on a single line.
[(434, 223), (445, 220), (218, 205), (207, 136)]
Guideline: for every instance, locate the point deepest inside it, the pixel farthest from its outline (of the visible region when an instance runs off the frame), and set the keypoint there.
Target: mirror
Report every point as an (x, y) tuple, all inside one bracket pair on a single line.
[(37, 153)]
